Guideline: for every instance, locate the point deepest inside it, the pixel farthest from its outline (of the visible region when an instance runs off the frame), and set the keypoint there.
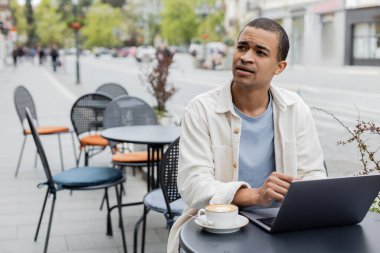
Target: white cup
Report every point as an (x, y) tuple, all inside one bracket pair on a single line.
[(220, 215)]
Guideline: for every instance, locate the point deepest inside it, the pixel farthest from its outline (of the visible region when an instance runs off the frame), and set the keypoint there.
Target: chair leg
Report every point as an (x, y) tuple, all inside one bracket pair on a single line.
[(146, 210), (74, 148), (104, 197), (122, 168), (123, 190), (50, 222), (136, 233), (19, 158), (109, 223), (77, 160), (101, 204), (60, 151), (41, 215), (35, 159), (86, 157), (119, 201)]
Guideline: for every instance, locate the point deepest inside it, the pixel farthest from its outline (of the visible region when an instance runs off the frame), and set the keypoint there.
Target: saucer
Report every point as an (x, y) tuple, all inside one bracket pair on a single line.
[(241, 221)]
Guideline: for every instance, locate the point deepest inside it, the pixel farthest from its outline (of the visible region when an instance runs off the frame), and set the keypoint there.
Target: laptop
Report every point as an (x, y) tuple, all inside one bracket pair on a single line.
[(318, 203)]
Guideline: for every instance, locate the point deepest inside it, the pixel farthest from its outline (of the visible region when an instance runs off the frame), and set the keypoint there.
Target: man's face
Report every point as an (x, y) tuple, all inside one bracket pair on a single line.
[(255, 58)]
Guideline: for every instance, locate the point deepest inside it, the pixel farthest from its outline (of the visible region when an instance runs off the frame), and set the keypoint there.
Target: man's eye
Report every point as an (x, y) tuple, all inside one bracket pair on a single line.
[(260, 53)]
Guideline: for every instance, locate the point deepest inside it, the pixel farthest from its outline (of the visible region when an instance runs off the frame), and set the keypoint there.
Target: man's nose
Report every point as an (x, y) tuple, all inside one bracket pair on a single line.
[(247, 57)]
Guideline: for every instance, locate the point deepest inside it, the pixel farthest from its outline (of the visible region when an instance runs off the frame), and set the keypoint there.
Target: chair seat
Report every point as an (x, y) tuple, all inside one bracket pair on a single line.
[(49, 130), (138, 156), (93, 140), (155, 200), (87, 176)]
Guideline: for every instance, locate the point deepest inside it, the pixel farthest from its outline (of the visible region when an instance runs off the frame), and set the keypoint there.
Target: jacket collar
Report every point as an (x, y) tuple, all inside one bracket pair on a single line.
[(224, 103)]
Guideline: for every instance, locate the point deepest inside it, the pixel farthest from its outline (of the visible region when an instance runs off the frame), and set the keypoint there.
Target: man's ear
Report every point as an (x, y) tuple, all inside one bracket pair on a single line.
[(281, 65)]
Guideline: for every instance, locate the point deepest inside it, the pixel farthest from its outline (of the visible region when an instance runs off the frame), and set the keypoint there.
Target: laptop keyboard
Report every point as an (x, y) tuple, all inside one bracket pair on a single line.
[(267, 221)]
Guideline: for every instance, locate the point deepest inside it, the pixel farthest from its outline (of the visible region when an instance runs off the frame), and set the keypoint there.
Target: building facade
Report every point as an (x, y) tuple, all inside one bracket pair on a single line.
[(5, 26), (362, 36), (321, 32)]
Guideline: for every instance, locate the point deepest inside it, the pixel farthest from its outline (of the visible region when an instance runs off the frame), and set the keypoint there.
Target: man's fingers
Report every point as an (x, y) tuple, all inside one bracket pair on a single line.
[(278, 188), (273, 195), (278, 181), (282, 176)]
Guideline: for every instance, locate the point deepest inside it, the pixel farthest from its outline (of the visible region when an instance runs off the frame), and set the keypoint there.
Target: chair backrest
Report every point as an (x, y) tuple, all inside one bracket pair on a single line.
[(40, 150), (87, 113), (129, 111), (168, 174), (23, 99), (113, 90)]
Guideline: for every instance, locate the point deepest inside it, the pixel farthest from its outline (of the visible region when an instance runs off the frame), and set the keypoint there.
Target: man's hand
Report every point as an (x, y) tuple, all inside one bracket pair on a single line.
[(274, 188)]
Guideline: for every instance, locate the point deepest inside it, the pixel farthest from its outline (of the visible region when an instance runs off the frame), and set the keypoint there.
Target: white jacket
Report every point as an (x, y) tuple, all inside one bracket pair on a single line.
[(209, 148)]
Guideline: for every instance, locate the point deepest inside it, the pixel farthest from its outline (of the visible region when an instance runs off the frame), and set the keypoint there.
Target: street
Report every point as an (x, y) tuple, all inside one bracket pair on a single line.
[(345, 91)]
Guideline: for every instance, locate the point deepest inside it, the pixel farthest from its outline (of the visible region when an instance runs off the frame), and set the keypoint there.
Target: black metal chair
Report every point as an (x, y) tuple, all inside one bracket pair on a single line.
[(77, 179), (165, 200), (23, 99), (128, 111), (113, 90), (87, 119)]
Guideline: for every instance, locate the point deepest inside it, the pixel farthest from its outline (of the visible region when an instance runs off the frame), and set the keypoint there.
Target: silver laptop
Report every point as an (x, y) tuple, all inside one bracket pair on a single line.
[(319, 203)]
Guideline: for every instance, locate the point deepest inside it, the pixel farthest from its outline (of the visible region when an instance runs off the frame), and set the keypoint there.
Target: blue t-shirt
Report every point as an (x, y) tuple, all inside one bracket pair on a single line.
[(256, 151)]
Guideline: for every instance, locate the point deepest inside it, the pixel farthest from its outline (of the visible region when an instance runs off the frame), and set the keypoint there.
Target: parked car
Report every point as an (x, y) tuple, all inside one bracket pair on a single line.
[(123, 52), (70, 51), (179, 49), (98, 51), (120, 52), (145, 54)]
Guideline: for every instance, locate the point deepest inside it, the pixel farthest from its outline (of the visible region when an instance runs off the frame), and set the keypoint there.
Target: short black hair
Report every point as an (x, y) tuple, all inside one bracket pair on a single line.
[(272, 26)]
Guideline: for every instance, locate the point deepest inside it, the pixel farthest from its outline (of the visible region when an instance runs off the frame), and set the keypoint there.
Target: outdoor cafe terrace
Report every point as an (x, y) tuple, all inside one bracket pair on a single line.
[(78, 224)]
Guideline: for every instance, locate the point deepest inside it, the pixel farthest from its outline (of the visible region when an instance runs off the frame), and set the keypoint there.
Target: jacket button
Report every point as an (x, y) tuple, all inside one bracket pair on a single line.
[(235, 165), (236, 131)]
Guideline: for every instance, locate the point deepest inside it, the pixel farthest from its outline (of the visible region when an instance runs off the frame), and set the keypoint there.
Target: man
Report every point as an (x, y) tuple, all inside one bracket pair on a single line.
[(54, 58), (14, 55), (244, 143)]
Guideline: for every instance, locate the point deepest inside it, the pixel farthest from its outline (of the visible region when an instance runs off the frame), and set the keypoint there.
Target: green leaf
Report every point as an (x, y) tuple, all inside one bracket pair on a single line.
[(103, 26)]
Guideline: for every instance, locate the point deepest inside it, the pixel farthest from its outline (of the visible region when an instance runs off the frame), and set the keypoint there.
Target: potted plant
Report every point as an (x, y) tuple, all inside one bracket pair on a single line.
[(156, 79)]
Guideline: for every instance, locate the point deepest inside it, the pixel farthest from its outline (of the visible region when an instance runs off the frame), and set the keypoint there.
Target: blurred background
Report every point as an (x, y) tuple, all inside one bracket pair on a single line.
[(328, 32)]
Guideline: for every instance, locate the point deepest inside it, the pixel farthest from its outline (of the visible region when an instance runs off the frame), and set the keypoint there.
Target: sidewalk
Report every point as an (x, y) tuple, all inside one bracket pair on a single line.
[(78, 224)]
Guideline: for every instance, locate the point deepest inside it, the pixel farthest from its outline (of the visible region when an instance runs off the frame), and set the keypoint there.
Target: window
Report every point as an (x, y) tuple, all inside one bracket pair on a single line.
[(366, 41)]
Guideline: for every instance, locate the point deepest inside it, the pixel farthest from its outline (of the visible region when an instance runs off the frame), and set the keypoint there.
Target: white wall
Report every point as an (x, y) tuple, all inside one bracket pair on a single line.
[(352, 4)]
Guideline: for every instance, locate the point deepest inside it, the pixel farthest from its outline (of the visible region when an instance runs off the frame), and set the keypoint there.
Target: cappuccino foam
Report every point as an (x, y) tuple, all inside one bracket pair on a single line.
[(222, 208)]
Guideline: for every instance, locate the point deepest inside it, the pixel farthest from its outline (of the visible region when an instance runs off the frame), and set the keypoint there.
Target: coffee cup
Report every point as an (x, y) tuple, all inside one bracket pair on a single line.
[(219, 215)]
